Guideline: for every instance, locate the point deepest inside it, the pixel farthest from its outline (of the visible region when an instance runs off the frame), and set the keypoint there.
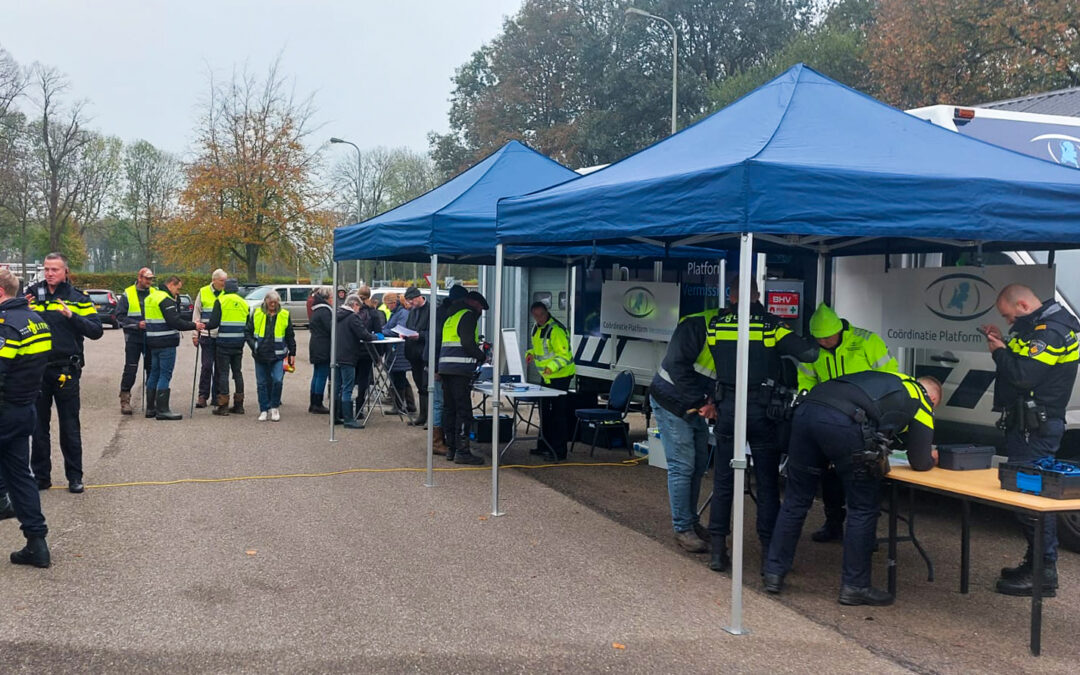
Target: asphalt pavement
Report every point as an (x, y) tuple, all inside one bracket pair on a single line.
[(369, 571)]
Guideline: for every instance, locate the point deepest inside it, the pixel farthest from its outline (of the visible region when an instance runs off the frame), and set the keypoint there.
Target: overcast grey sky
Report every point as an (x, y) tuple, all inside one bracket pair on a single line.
[(379, 70)]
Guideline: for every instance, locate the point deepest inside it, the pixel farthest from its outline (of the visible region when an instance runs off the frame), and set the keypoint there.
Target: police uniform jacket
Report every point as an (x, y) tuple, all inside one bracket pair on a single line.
[(67, 333), (896, 404), (25, 342), (1039, 361), (770, 340)]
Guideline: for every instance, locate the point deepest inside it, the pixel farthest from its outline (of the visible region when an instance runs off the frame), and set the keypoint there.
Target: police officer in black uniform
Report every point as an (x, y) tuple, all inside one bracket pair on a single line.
[(71, 317), (770, 340), (24, 350), (1036, 370), (851, 421)]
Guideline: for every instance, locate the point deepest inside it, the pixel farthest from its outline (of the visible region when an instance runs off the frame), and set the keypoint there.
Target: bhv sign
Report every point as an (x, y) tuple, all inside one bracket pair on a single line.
[(942, 307), (640, 309)]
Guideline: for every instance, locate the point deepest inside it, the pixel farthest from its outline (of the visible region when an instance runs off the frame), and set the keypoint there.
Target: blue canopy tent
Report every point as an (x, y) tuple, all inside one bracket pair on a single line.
[(804, 161), (455, 222)]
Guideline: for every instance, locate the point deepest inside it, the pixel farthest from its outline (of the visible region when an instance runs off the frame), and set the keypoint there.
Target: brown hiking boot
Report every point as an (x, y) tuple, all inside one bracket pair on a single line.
[(201, 402), (238, 404), (222, 405), (438, 444), (125, 403)]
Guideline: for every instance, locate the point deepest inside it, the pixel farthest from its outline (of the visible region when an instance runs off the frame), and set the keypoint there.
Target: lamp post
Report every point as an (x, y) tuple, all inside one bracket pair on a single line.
[(359, 190), (674, 63)]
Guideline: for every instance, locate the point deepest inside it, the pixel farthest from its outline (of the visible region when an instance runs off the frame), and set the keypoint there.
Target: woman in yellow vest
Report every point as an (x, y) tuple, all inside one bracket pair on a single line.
[(554, 360), (270, 336)]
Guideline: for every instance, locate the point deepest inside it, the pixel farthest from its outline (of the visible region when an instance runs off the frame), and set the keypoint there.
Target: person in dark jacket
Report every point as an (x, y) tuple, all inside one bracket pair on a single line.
[(130, 314), (373, 321), (320, 321), (230, 319), (71, 318), (397, 364), (459, 356), (163, 326), (352, 333), (457, 292), (416, 348), (269, 335), (341, 295)]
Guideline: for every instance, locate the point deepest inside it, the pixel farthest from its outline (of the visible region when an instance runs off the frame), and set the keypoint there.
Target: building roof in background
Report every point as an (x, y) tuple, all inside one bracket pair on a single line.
[(1060, 102)]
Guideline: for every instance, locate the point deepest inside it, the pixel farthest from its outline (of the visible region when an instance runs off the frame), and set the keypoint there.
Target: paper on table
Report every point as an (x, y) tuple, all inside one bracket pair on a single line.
[(403, 331)]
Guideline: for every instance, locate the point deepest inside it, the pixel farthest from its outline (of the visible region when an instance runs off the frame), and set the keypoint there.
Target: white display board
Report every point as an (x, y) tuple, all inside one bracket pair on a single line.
[(512, 353), (640, 309), (937, 307)]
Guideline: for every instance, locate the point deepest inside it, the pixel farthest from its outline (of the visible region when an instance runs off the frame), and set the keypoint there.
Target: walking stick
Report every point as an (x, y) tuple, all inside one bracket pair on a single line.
[(194, 382), (145, 356)]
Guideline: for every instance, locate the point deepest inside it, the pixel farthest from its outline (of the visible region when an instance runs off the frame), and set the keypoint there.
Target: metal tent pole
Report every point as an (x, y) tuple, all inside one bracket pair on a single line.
[(333, 351), (496, 381), (738, 463), (819, 286), (721, 298), (433, 325)]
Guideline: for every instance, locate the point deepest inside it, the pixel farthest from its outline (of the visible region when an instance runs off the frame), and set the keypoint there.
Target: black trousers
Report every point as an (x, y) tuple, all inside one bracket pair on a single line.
[(207, 358), (832, 495), (457, 411), (363, 382), (399, 379), (66, 396), (821, 435), (554, 427), (761, 435), (17, 422), (224, 361), (134, 349)]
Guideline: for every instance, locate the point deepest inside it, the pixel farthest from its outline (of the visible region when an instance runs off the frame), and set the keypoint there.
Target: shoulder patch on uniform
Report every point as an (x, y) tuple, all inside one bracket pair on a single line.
[(1041, 326), (1036, 347)]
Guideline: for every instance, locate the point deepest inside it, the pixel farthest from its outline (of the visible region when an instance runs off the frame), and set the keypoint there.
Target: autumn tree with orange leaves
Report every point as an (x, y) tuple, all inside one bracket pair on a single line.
[(251, 190), (967, 51)]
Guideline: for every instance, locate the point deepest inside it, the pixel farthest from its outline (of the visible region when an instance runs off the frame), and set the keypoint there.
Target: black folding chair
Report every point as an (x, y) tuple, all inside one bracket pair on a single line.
[(622, 390)]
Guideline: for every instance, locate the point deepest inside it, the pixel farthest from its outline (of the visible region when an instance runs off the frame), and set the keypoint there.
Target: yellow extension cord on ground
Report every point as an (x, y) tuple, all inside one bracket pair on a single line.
[(325, 474)]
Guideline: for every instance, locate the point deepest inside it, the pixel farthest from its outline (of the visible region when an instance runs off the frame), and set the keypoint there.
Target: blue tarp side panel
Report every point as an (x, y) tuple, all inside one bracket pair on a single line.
[(455, 219), (805, 155)]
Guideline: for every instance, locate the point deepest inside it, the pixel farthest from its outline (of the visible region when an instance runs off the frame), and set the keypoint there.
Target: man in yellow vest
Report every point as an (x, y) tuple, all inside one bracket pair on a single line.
[(459, 356), (554, 360), (163, 326), (206, 340), (129, 312), (845, 349), (230, 319)]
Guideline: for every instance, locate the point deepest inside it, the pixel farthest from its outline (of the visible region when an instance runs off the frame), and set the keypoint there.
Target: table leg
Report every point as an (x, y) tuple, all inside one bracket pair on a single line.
[(892, 537), (965, 544), (1036, 586)]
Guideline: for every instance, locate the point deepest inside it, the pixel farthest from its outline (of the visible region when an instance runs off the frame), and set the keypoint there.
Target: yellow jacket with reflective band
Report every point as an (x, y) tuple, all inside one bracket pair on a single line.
[(453, 359), (551, 351), (234, 314), (386, 311), (770, 339), (1039, 362), (158, 333), (25, 342), (258, 318), (132, 295), (207, 299), (859, 350)]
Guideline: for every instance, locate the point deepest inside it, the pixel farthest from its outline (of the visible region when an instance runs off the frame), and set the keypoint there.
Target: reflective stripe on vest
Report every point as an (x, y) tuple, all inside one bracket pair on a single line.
[(207, 300), (545, 357), (234, 314), (453, 359), (134, 309), (704, 364), (156, 328), (281, 350)]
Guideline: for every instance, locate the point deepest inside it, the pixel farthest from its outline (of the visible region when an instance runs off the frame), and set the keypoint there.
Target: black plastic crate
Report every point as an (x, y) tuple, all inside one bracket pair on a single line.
[(1030, 479), (481, 428), (965, 457), (610, 435)]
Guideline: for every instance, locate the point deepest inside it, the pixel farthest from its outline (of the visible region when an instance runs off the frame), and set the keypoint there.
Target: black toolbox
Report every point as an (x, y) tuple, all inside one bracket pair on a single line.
[(1053, 479), (965, 457)]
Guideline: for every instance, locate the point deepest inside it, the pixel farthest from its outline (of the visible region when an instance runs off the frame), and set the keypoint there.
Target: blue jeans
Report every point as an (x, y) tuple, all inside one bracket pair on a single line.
[(438, 398), (1043, 443), (268, 378), (346, 384), (162, 362), (320, 372), (686, 447)]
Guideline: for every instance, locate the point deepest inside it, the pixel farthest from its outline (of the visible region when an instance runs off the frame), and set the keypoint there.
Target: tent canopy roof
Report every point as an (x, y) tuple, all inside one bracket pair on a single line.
[(807, 161)]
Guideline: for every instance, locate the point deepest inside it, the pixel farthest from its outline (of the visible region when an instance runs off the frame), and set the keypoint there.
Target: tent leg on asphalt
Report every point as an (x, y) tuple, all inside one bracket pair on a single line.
[(496, 382), (333, 351), (433, 325)]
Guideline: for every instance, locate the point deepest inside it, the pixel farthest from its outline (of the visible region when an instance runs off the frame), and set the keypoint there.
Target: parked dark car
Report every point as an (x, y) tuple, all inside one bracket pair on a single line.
[(186, 307), (105, 304)]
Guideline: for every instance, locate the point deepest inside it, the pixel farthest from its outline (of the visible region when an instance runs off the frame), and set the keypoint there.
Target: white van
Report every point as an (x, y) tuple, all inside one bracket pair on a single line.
[(293, 298)]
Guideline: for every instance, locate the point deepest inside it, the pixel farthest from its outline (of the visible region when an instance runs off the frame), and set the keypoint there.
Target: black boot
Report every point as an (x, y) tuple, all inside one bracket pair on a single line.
[(163, 411), (151, 403), (1020, 570), (421, 418), (719, 561), (316, 406), (35, 553), (7, 509), (466, 457), (832, 530), (850, 595), (1023, 583), (410, 400)]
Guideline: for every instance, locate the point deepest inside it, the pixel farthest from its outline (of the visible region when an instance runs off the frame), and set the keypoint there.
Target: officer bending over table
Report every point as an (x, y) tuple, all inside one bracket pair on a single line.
[(851, 421)]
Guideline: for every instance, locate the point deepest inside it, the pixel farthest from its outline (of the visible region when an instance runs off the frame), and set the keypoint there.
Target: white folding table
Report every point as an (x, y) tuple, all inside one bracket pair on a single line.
[(512, 392)]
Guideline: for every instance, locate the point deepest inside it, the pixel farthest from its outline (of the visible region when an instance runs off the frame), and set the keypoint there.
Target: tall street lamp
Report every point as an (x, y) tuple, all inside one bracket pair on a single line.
[(674, 63), (359, 190)]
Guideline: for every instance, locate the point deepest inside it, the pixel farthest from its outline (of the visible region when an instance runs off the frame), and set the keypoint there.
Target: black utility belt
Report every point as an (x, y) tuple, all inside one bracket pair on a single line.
[(1027, 416)]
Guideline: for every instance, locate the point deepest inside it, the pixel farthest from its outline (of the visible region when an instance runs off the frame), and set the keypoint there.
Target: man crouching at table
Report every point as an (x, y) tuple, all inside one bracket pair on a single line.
[(849, 421)]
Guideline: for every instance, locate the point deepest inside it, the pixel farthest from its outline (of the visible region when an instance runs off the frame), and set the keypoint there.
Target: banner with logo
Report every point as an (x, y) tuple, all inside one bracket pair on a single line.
[(640, 309), (942, 307)]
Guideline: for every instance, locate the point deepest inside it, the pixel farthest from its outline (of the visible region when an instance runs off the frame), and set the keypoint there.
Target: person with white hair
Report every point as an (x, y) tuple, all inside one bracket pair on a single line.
[(206, 340), (270, 336)]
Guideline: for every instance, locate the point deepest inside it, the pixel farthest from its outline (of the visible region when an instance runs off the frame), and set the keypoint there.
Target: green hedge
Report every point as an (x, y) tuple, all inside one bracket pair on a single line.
[(118, 281)]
